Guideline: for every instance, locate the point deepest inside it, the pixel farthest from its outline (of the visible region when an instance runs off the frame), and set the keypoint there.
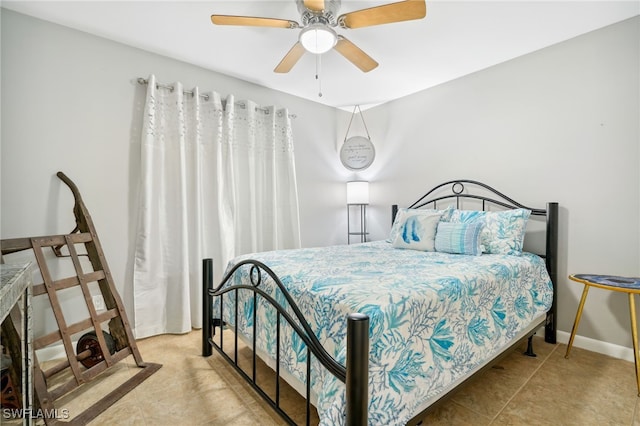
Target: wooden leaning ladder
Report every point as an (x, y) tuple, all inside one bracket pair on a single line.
[(111, 347)]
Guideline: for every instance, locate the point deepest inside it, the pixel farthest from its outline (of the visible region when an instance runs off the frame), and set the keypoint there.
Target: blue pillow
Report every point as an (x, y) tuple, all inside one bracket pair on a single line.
[(503, 231), (459, 238)]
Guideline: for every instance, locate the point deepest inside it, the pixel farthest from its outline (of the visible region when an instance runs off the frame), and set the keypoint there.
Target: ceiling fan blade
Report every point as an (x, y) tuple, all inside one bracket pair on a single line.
[(290, 59), (315, 5), (355, 55), (253, 21), (394, 12)]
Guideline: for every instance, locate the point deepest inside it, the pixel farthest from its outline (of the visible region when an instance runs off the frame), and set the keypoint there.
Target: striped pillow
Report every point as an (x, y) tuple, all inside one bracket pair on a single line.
[(503, 231), (459, 238)]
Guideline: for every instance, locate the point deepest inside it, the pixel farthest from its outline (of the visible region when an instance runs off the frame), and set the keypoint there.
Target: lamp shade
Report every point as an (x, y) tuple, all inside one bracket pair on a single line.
[(358, 192), (318, 38)]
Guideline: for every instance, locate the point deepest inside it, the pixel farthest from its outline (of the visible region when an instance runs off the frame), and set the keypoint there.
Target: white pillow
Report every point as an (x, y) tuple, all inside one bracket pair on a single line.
[(446, 214), (416, 230)]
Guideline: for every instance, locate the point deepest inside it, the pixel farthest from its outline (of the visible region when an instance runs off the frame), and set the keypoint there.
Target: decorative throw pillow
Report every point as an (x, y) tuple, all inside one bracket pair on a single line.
[(446, 214), (503, 231), (459, 238), (417, 230)]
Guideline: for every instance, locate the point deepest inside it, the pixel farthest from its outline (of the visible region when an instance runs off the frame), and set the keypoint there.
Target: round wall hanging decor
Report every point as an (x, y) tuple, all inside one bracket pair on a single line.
[(357, 152)]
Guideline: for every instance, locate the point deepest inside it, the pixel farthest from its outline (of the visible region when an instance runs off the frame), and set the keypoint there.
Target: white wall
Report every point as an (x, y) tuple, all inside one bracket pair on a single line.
[(560, 124), (70, 103)]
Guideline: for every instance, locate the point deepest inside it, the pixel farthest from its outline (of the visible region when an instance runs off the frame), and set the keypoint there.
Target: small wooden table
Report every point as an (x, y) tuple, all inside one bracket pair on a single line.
[(627, 285)]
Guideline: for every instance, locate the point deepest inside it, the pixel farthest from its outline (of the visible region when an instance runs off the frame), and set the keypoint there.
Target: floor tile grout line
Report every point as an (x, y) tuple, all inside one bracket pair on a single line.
[(524, 384), (492, 418), (453, 401)]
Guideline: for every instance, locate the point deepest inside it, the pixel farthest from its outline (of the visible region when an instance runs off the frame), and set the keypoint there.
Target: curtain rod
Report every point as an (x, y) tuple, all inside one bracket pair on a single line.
[(144, 82)]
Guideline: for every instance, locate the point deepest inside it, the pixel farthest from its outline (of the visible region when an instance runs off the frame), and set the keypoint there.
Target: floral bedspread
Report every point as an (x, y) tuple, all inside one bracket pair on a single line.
[(433, 317)]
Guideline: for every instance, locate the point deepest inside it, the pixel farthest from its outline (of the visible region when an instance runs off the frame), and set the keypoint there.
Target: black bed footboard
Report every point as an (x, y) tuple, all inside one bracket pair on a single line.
[(356, 373)]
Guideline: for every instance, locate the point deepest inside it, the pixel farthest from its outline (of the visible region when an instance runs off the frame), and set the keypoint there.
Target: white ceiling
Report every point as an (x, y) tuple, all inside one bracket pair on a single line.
[(456, 38)]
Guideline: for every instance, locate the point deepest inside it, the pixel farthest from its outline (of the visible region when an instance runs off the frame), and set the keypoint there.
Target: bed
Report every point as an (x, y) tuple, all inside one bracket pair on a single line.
[(381, 332)]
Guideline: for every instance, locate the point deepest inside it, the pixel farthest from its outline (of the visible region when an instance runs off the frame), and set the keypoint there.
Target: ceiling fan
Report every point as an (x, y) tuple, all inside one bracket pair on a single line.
[(317, 35)]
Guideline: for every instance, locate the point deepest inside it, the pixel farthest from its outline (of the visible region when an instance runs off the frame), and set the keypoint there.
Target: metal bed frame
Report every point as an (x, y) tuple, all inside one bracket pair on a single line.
[(355, 373)]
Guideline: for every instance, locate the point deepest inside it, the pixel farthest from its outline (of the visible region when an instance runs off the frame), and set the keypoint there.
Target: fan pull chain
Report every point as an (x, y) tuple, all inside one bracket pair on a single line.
[(318, 75)]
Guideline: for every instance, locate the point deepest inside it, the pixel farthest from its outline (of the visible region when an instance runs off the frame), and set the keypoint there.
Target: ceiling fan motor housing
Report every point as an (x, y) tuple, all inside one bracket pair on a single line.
[(328, 16)]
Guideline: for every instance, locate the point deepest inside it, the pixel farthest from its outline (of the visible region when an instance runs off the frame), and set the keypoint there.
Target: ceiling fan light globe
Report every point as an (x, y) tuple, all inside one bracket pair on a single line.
[(318, 38)]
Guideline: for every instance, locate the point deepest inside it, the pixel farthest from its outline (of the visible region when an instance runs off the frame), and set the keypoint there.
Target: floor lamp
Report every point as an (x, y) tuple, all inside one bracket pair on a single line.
[(357, 199)]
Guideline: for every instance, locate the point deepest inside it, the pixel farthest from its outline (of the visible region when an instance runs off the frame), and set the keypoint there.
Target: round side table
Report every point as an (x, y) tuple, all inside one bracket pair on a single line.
[(627, 285)]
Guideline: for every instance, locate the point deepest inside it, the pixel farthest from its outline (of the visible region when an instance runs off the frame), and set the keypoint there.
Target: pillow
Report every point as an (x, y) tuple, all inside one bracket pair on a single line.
[(503, 231), (446, 214), (417, 230), (459, 238)]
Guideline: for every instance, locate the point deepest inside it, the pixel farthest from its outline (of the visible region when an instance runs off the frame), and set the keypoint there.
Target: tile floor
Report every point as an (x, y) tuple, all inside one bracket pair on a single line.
[(587, 389)]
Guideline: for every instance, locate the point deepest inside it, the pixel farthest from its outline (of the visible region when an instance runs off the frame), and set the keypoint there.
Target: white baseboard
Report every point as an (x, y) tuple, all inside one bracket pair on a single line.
[(616, 351)]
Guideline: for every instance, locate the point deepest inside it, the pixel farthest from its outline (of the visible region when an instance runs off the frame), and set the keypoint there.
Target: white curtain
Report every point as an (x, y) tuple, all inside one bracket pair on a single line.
[(217, 180)]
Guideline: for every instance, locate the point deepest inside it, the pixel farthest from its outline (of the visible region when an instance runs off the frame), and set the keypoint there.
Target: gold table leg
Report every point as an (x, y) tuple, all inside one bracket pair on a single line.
[(577, 320), (634, 335)]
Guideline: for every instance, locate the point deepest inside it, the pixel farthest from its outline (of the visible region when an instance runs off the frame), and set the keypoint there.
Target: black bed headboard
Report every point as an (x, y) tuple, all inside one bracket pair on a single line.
[(460, 189)]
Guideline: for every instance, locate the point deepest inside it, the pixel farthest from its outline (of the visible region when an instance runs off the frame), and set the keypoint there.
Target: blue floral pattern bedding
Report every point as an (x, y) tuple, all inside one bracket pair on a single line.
[(433, 317)]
